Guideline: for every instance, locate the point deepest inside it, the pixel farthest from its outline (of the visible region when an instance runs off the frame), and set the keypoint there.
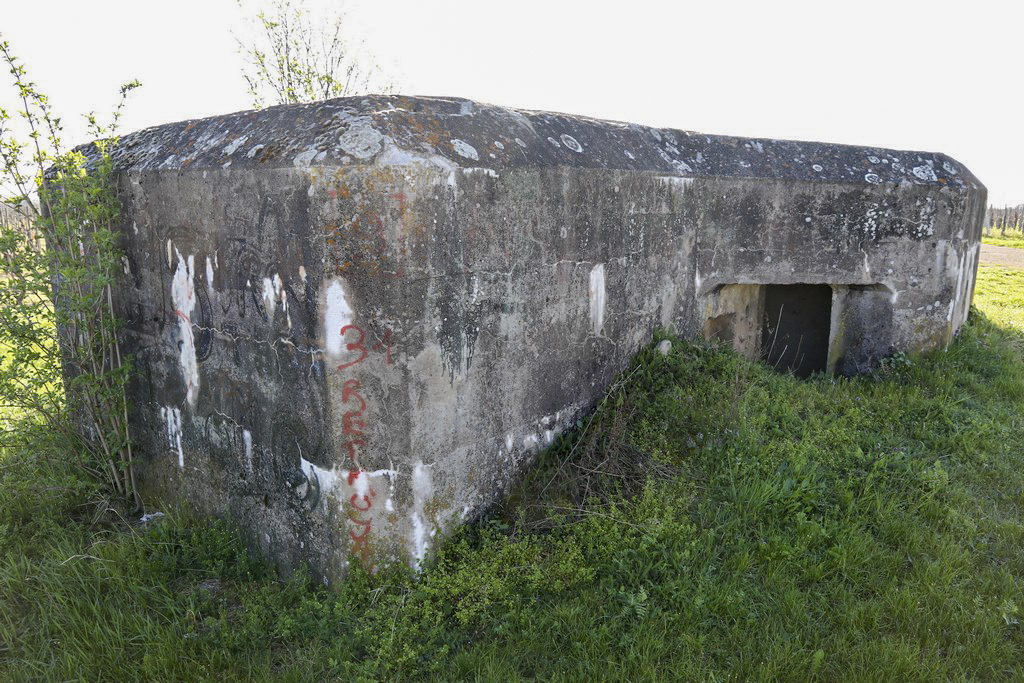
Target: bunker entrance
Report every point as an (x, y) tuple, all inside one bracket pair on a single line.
[(795, 332)]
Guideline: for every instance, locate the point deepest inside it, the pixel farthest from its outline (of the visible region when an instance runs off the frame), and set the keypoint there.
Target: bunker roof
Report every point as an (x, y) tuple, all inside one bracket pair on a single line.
[(452, 133)]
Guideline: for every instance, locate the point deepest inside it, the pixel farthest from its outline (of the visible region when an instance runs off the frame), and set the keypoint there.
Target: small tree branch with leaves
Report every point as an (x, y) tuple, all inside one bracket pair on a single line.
[(61, 365), (293, 58)]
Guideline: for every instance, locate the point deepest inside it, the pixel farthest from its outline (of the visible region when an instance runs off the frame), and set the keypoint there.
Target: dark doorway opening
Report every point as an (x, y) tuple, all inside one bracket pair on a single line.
[(797, 320)]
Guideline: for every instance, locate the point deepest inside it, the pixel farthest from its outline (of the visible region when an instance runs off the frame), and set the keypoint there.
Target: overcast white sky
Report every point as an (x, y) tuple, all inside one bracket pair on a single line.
[(934, 76)]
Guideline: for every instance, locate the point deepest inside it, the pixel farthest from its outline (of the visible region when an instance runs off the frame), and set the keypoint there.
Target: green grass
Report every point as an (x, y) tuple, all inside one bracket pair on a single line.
[(747, 526), (1012, 238), (1000, 293)]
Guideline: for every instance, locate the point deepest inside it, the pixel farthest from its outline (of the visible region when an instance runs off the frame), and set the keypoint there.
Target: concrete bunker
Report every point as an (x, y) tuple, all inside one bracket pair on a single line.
[(354, 322)]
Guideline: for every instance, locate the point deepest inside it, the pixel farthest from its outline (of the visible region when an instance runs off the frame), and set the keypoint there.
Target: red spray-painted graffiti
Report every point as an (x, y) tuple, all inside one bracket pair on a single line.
[(354, 422)]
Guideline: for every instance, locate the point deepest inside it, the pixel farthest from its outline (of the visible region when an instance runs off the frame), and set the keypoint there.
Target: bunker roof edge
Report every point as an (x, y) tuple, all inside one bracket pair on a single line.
[(458, 133)]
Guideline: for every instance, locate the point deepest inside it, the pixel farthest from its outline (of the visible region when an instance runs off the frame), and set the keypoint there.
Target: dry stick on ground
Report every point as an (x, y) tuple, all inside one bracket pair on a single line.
[(615, 459), (615, 387)]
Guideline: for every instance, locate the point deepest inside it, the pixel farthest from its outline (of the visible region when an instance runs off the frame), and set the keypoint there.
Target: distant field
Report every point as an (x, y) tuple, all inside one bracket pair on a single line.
[(1012, 238)]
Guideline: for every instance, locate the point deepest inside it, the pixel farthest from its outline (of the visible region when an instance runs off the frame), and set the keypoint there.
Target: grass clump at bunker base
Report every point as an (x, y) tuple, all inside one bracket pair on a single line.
[(714, 520)]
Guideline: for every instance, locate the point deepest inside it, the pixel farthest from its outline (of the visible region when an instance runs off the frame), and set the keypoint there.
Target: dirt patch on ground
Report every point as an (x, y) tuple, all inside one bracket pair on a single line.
[(1007, 257)]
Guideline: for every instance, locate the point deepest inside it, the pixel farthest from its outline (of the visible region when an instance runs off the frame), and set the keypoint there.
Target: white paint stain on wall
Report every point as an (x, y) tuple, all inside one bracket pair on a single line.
[(183, 298), (282, 296), (968, 265), (330, 480), (327, 479), (597, 297), (269, 297), (247, 440), (172, 428), (422, 490), (361, 484), (209, 272), (337, 314)]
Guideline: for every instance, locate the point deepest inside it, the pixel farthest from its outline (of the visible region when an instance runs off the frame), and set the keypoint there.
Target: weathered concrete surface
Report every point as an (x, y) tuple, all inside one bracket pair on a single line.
[(355, 321)]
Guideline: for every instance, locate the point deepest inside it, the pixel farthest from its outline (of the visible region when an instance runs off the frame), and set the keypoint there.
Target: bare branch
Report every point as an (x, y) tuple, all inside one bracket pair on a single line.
[(296, 57)]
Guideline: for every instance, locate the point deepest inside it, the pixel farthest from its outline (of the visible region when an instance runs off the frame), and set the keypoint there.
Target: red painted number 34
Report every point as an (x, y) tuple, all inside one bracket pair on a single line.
[(353, 336)]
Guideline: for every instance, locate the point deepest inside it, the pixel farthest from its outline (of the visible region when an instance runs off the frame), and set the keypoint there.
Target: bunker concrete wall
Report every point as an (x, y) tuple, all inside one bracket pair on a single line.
[(355, 322)]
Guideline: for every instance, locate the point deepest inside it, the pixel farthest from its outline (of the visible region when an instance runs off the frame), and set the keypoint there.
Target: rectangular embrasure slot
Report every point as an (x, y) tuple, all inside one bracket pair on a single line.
[(795, 335)]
